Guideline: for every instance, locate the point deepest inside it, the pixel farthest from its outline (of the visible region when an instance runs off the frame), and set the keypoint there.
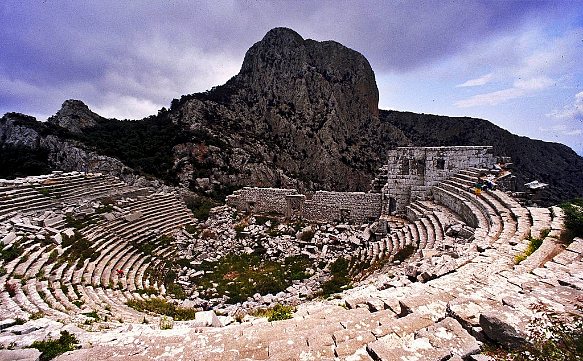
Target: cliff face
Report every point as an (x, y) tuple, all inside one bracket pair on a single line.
[(300, 114), (306, 109)]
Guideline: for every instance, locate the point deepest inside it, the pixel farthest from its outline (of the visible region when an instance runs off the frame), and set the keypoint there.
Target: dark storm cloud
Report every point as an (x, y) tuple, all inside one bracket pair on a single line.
[(122, 54)]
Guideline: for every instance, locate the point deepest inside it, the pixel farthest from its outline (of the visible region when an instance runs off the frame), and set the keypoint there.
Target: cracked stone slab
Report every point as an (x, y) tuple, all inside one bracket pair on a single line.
[(448, 334), (409, 348), (505, 325)]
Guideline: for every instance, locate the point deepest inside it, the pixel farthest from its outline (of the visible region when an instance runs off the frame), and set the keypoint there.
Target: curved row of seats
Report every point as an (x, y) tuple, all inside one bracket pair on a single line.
[(495, 216), (38, 283)]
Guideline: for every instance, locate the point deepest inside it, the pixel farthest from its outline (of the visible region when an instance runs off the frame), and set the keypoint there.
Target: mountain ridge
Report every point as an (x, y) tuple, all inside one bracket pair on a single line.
[(300, 114)]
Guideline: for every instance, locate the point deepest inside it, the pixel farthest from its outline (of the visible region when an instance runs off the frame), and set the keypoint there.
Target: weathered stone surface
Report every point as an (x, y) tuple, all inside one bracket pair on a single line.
[(505, 326), (207, 319), (391, 348), (448, 334), (30, 354)]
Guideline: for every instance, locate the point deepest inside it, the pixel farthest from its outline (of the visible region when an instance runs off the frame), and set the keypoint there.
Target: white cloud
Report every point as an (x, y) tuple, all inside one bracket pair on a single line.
[(536, 83), (572, 111), (483, 80), (521, 88), (126, 107)]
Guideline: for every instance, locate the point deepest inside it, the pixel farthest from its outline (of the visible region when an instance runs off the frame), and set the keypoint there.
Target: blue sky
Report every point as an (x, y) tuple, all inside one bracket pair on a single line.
[(515, 63)]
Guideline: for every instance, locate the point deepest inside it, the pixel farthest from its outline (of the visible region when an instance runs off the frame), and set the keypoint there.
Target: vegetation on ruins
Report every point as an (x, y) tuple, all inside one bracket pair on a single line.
[(307, 235), (148, 247), (79, 221), (241, 276), (240, 228), (106, 208), (10, 253), (533, 245), (404, 253), (163, 307), (52, 348), (36, 315), (339, 279), (276, 313), (200, 206), (573, 219), (10, 288), (192, 229), (79, 249)]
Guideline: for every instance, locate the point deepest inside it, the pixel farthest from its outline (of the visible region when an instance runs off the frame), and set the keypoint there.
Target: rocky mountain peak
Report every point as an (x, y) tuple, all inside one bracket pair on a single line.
[(311, 76), (74, 115)]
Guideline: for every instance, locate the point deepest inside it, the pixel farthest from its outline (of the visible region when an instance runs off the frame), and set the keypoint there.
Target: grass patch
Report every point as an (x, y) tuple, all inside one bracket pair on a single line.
[(533, 245), (276, 313), (79, 249), (339, 280), (241, 276), (11, 253), (52, 348), (163, 307)]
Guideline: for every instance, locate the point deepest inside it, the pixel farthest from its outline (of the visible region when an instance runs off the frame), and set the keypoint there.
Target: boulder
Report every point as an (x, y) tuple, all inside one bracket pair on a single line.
[(503, 325), (207, 319)]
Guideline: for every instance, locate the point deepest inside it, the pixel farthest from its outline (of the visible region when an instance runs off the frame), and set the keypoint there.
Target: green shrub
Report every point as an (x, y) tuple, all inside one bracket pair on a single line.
[(339, 280), (52, 348), (573, 218), (107, 208), (37, 315), (200, 206), (533, 245), (147, 291), (79, 249), (79, 221), (280, 312), (92, 314), (163, 307), (192, 229), (166, 323), (11, 253), (53, 256), (176, 290)]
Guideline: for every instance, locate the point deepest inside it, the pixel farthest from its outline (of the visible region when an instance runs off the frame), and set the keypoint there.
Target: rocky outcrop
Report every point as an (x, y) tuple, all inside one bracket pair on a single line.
[(63, 154), (74, 116), (305, 107)]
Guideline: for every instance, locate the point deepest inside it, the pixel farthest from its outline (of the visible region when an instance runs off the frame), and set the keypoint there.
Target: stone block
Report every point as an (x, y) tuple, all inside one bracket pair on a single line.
[(27, 354), (504, 325), (207, 319)]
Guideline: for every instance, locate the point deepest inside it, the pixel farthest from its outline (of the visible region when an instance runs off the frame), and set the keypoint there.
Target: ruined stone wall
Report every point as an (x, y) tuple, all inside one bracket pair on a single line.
[(253, 199), (356, 207), (322, 206), (412, 171)]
